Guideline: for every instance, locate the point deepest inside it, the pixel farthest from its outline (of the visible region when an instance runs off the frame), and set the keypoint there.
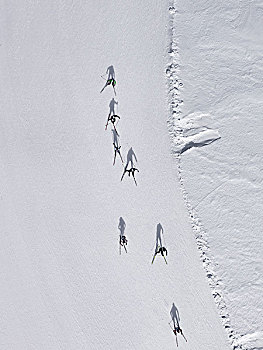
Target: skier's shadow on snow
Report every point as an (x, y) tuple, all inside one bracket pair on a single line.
[(159, 231), (176, 322), (111, 75), (122, 226), (175, 316), (112, 106), (116, 146), (111, 72), (115, 138), (131, 157)]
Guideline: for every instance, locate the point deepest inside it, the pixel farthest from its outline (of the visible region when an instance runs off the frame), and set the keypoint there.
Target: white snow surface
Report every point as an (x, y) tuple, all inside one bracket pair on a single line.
[(64, 284), (218, 63)]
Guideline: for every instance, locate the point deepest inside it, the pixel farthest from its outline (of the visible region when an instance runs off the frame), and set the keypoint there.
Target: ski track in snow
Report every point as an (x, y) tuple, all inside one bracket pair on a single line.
[(187, 132)]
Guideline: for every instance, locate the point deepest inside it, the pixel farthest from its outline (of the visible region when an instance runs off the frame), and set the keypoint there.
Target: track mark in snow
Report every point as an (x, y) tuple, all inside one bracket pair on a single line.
[(209, 266), (208, 194), (187, 132)]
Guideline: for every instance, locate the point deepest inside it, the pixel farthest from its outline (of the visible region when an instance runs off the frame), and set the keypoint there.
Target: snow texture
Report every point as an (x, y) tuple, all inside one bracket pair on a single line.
[(219, 70), (64, 283)]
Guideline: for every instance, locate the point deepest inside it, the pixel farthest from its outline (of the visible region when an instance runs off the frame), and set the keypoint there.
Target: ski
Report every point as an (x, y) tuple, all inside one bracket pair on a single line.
[(184, 336), (177, 330), (123, 175), (165, 260)]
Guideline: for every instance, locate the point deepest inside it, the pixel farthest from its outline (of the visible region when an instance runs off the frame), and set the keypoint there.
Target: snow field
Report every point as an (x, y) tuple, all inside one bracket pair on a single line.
[(65, 286)]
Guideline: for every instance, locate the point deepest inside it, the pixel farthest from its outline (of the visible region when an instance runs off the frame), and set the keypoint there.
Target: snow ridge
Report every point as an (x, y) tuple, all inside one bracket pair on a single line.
[(192, 131), (187, 132)]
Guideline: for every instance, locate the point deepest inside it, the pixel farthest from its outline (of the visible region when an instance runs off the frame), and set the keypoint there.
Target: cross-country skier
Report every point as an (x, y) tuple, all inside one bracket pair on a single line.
[(178, 330), (116, 146), (162, 250), (123, 243), (112, 119), (122, 240), (117, 150), (159, 248), (176, 326), (130, 172)]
